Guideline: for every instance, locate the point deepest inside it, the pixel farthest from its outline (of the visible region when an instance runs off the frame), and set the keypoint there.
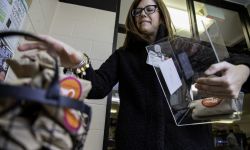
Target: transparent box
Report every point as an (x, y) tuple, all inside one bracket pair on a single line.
[(178, 62)]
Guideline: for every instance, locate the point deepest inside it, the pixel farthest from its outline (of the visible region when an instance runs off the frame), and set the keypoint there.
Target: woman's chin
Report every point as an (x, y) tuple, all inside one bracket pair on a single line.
[(145, 30)]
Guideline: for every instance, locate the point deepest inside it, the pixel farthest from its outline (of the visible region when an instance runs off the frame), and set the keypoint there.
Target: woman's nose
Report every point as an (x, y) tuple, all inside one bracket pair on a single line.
[(143, 13)]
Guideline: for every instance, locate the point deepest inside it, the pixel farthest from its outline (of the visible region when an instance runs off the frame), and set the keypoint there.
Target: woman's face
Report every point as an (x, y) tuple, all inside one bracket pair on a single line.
[(148, 24)]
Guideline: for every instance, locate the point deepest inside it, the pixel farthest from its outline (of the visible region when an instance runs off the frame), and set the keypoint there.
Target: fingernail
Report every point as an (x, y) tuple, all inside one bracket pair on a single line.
[(207, 71)]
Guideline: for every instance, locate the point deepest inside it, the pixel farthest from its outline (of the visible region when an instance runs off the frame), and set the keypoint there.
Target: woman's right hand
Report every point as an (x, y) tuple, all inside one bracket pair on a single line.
[(228, 85), (69, 56)]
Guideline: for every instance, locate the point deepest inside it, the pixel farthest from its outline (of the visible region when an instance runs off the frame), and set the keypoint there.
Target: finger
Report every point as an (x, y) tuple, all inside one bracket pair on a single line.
[(37, 38), (52, 43), (218, 67), (50, 40), (31, 46), (218, 95), (213, 81), (28, 38), (45, 39), (225, 88), (212, 89), (42, 37)]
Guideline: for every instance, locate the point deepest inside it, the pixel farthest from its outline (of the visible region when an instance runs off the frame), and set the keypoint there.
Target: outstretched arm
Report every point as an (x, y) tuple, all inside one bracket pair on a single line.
[(102, 79), (68, 55)]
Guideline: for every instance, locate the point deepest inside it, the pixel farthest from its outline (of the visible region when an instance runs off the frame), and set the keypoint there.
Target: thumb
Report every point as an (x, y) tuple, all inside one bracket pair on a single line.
[(218, 67)]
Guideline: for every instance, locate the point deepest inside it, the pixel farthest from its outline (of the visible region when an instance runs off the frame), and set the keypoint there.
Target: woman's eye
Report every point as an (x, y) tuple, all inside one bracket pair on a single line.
[(149, 9), (138, 11)]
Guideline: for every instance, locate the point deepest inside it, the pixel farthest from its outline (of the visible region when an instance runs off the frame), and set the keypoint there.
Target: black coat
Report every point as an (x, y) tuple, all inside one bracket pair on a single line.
[(144, 120)]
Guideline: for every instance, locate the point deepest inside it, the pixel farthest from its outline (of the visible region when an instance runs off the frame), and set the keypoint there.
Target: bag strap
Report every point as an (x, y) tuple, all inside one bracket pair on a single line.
[(40, 96)]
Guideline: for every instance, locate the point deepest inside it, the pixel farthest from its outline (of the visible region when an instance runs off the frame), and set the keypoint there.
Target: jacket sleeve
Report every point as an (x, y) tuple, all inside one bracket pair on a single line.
[(237, 59), (104, 78)]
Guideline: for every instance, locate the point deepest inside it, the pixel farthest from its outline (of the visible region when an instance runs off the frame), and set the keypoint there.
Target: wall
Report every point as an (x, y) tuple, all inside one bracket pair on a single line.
[(91, 31), (38, 20), (40, 16), (86, 29)]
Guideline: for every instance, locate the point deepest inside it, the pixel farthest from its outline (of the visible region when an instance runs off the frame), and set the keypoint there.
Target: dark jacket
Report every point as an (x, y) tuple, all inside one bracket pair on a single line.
[(144, 120)]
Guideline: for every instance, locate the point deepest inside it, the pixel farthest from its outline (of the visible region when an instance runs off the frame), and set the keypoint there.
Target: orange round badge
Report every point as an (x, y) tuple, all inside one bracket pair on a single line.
[(72, 88), (211, 101)]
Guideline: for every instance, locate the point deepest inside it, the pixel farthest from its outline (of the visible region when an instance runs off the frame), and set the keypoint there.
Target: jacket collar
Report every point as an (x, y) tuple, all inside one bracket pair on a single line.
[(136, 41)]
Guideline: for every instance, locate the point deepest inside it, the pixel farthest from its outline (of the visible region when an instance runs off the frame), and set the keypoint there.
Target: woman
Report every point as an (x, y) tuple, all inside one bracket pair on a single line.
[(144, 120)]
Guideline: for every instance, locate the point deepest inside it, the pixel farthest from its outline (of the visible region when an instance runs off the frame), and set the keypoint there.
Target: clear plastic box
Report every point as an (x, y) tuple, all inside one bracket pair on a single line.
[(178, 62)]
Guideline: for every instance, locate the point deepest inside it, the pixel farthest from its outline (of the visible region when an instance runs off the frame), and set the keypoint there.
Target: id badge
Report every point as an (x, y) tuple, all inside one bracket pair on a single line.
[(155, 59)]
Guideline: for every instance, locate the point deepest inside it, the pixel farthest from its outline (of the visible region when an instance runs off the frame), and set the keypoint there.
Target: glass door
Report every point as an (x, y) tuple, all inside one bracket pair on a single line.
[(227, 21), (233, 25)]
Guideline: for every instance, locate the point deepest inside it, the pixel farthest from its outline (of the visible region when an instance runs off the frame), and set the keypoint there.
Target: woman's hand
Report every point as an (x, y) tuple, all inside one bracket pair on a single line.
[(228, 85), (69, 56)]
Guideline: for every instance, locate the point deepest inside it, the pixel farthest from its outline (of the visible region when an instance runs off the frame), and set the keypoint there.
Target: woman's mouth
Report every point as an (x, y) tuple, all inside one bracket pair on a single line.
[(145, 22)]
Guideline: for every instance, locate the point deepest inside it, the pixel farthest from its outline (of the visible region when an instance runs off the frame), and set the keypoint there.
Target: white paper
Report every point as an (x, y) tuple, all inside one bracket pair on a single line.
[(12, 16), (18, 13), (170, 75), (5, 8)]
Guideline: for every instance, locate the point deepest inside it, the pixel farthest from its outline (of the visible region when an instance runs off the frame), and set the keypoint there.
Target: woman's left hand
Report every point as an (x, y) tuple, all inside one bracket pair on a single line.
[(228, 85)]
